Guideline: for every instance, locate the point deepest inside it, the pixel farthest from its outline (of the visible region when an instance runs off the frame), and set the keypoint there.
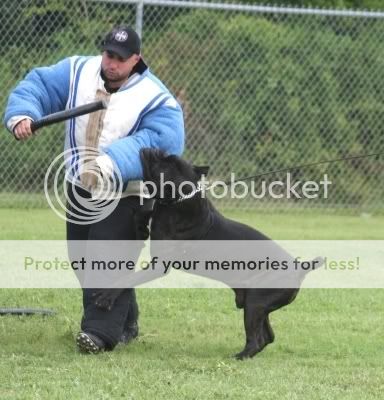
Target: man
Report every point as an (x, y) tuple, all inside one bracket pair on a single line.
[(141, 113)]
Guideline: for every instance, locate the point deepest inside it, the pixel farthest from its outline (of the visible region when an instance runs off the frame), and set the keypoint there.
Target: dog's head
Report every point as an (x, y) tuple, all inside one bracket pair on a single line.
[(174, 175)]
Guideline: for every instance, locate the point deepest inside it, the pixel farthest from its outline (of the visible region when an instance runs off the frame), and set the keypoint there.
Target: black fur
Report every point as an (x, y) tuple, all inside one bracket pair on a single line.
[(197, 219)]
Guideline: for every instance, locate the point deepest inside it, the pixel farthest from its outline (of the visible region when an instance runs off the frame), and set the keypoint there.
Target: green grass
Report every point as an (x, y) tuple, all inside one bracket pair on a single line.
[(20, 224), (329, 343)]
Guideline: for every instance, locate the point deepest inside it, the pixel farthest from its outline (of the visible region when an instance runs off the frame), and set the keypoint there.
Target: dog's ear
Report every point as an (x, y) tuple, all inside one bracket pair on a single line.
[(201, 170)]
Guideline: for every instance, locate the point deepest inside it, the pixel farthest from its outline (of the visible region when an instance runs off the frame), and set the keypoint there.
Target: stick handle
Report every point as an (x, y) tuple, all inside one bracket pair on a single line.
[(67, 114)]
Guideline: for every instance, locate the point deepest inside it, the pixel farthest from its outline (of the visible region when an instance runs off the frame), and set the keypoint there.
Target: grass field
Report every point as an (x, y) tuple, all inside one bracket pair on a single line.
[(329, 343)]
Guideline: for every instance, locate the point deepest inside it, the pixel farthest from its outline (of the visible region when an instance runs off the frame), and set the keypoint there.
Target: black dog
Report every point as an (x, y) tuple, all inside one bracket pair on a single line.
[(192, 217)]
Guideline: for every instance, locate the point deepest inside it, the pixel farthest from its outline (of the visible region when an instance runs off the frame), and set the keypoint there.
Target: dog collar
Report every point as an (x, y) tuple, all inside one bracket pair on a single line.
[(181, 198)]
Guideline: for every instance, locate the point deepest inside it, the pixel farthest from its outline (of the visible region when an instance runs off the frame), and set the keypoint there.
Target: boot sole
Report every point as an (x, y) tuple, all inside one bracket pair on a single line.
[(86, 345)]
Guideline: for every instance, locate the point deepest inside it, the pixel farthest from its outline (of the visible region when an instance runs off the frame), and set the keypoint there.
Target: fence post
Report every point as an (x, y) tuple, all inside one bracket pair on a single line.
[(139, 17)]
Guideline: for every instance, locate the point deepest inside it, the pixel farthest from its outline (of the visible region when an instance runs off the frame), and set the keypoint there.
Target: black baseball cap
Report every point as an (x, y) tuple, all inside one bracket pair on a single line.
[(122, 40)]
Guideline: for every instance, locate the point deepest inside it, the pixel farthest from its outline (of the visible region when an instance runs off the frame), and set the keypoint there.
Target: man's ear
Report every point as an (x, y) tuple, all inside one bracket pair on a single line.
[(136, 57), (201, 170)]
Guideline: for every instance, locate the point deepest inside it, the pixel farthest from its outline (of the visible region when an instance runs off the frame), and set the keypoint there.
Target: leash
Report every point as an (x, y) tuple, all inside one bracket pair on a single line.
[(200, 187), (26, 311), (305, 166)]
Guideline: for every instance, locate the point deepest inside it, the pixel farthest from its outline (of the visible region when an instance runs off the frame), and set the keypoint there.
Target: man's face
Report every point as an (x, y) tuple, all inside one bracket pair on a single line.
[(115, 68)]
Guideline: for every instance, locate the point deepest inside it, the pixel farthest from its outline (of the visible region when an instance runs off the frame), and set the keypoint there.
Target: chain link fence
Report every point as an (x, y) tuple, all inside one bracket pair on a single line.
[(262, 88)]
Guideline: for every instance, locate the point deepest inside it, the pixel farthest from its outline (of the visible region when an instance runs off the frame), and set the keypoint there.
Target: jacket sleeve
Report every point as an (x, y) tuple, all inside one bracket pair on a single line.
[(43, 91), (161, 128)]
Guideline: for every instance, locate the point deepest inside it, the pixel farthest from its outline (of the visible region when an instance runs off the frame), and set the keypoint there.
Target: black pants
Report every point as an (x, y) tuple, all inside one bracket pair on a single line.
[(119, 225)]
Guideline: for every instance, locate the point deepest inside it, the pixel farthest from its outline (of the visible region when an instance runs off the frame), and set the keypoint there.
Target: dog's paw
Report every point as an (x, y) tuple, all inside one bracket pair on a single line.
[(248, 352), (243, 355), (105, 298)]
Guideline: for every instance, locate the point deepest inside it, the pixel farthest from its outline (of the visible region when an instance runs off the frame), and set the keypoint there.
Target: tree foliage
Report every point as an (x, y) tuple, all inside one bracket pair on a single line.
[(279, 88)]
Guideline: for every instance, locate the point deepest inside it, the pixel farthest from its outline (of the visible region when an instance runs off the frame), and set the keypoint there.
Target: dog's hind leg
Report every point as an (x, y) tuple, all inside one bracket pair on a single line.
[(268, 334), (257, 330), (264, 335)]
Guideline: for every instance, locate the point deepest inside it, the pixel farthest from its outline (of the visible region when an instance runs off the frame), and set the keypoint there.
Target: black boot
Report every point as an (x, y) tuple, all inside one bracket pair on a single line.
[(130, 332), (89, 343)]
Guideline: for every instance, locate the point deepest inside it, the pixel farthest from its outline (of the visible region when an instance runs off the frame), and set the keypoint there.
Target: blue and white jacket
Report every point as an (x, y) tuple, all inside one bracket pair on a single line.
[(142, 113)]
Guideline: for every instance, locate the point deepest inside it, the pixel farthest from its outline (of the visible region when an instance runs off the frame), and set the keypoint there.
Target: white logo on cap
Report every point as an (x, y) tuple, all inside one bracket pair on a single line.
[(121, 36)]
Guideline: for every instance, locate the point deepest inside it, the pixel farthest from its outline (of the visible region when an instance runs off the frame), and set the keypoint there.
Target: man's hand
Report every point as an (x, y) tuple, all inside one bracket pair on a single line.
[(23, 129)]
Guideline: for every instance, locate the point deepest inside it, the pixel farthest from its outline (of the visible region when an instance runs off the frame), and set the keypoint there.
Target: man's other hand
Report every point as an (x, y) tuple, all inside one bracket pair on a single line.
[(23, 129)]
